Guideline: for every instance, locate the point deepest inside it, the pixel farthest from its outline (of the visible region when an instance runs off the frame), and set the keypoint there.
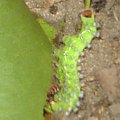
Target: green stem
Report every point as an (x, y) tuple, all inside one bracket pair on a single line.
[(87, 4)]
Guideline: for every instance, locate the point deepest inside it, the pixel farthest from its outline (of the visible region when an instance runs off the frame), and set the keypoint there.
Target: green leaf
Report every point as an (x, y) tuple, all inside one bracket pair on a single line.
[(24, 63)]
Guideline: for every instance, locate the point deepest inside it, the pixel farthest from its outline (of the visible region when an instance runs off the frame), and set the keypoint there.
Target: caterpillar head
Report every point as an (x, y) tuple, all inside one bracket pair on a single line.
[(87, 21)]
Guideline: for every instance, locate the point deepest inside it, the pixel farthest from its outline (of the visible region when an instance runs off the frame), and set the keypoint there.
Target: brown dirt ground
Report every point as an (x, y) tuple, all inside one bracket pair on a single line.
[(100, 64)]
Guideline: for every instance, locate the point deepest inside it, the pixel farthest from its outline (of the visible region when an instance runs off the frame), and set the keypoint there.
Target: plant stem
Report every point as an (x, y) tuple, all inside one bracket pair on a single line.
[(87, 4)]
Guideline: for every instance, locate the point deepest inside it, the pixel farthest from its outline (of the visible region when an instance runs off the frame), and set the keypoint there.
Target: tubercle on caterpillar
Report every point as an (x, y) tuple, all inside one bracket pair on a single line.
[(67, 99)]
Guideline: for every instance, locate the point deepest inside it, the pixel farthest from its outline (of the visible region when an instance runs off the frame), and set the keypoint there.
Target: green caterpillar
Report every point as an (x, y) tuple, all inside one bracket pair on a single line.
[(67, 98)]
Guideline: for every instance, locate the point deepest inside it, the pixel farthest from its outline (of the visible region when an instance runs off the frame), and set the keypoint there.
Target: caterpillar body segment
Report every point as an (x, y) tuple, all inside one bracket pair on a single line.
[(67, 98)]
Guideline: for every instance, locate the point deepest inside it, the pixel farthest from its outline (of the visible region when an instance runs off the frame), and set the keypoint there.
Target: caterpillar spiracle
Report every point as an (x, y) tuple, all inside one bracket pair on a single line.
[(67, 98)]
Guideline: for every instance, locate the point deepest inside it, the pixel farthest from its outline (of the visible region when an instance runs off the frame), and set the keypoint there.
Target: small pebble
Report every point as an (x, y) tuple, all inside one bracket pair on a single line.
[(89, 46), (67, 113), (117, 61), (79, 68), (75, 110), (81, 95), (81, 76), (90, 79), (101, 110), (79, 60), (97, 34), (82, 54)]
